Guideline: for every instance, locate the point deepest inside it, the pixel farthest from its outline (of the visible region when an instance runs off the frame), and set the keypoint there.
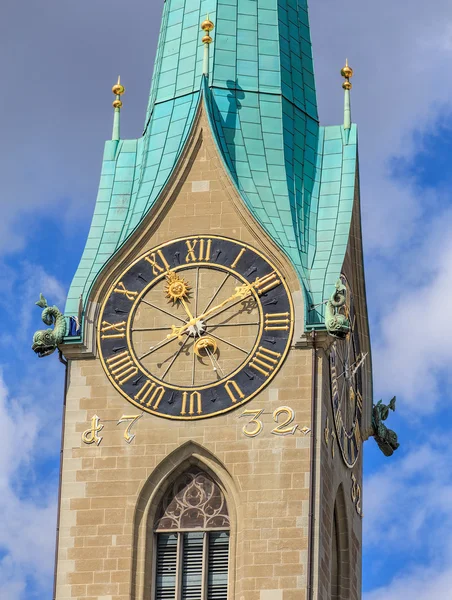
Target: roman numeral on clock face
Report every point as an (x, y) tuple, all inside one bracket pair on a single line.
[(111, 331), (122, 367), (265, 361), (191, 403), (277, 321), (233, 390), (267, 283), (198, 250), (158, 262), (129, 294), (150, 393)]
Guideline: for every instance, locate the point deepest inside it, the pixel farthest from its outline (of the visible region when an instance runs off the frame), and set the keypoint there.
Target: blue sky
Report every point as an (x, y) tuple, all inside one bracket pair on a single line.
[(59, 64)]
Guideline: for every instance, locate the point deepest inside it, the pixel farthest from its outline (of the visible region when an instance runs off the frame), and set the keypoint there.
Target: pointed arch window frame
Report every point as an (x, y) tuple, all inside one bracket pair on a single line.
[(194, 510)]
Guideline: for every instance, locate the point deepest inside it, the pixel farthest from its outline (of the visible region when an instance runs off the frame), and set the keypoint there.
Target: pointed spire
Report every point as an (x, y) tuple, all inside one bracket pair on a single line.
[(118, 90), (207, 26), (347, 74)]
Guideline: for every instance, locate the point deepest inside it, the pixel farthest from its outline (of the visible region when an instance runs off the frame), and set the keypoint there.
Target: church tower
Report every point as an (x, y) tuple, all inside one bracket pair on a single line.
[(218, 385)]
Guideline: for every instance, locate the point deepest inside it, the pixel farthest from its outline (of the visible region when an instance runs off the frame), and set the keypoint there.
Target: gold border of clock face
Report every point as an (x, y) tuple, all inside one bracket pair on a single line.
[(349, 441), (124, 300)]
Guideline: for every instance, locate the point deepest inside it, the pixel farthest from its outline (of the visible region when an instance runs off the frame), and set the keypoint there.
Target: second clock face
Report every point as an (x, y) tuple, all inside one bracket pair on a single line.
[(195, 327)]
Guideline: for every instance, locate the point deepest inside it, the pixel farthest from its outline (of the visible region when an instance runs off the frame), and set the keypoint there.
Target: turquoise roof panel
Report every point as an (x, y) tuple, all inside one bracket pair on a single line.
[(295, 177)]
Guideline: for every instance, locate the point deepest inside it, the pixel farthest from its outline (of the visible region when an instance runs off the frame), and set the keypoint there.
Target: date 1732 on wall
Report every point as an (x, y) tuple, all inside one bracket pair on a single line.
[(195, 327)]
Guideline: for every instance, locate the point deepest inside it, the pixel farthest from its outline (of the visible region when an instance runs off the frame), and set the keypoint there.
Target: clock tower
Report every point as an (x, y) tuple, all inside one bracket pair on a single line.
[(218, 386)]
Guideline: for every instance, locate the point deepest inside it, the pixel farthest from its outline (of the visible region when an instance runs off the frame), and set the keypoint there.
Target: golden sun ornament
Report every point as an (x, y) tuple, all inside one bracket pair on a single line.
[(177, 288)]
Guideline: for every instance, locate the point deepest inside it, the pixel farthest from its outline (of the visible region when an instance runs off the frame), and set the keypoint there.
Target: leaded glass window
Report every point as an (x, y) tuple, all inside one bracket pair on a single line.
[(192, 540)]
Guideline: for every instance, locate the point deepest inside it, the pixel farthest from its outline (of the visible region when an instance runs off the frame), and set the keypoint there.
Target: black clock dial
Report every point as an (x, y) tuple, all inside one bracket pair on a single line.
[(195, 327), (346, 363)]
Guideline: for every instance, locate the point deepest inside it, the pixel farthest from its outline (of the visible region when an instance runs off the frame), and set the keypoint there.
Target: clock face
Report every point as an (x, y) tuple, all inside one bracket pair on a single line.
[(346, 363), (195, 327)]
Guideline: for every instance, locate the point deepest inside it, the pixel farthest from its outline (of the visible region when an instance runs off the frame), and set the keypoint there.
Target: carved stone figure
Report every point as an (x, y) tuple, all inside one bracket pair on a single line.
[(385, 438), (337, 323), (46, 341)]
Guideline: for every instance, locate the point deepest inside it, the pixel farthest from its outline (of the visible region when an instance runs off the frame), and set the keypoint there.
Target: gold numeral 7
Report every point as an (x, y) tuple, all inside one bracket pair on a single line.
[(133, 419)]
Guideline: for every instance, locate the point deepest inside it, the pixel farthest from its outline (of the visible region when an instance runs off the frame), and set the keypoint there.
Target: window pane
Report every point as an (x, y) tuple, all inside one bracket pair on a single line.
[(218, 564), (193, 545), (166, 566)]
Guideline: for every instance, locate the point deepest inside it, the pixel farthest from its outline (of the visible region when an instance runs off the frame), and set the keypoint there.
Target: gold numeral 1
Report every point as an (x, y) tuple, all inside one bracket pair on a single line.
[(267, 283), (194, 401), (277, 321), (113, 330), (198, 250), (232, 389), (158, 262), (122, 367), (150, 392), (265, 361), (121, 289), (240, 254), (90, 435)]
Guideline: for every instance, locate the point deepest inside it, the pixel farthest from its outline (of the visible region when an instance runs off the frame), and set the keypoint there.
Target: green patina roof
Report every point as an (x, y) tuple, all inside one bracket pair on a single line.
[(297, 178)]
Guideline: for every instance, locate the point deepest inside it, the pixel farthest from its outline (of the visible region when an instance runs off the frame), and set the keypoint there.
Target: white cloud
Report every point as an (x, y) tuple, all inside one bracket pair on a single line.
[(420, 584), (408, 523), (400, 52), (27, 531)]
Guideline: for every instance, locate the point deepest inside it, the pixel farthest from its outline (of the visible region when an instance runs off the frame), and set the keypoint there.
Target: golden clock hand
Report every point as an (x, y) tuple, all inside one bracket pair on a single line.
[(164, 342), (187, 310), (241, 293)]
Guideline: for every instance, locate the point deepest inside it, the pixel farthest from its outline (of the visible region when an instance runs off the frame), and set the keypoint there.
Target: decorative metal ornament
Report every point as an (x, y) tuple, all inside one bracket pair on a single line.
[(346, 363), (46, 341), (195, 327), (386, 438)]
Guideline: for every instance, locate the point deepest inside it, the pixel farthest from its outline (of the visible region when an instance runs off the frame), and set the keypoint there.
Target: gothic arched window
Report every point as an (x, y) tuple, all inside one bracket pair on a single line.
[(192, 540)]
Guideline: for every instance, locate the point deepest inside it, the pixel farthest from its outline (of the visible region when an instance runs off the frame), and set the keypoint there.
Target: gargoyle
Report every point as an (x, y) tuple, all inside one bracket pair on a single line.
[(46, 341), (336, 322), (385, 438)]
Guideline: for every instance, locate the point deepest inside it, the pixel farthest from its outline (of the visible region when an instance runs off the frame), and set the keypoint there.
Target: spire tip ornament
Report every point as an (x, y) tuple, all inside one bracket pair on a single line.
[(118, 90), (347, 71), (207, 26), (347, 74)]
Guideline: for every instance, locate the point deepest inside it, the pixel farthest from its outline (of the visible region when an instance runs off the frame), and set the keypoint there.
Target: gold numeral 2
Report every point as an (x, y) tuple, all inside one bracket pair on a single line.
[(283, 428)]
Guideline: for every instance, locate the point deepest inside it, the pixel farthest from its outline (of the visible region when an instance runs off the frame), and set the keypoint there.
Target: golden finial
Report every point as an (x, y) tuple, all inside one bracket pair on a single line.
[(347, 74), (207, 26), (118, 90)]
